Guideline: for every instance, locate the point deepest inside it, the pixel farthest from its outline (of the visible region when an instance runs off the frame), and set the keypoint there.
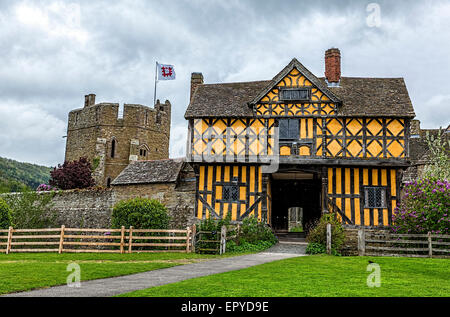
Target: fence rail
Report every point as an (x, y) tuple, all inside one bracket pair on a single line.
[(96, 240), (407, 245)]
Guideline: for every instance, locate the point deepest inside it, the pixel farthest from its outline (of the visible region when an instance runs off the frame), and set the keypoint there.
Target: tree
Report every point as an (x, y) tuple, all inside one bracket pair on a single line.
[(5, 215), (71, 175), (31, 209), (439, 166)]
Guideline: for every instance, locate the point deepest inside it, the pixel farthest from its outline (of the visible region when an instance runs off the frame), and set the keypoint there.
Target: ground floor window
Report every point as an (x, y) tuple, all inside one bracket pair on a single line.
[(375, 197)]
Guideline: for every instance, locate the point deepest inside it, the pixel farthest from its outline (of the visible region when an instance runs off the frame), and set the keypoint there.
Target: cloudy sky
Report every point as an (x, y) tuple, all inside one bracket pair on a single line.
[(54, 52)]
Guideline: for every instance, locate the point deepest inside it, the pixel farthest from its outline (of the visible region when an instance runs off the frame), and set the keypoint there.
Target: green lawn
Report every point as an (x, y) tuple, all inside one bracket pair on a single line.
[(318, 276), (25, 271)]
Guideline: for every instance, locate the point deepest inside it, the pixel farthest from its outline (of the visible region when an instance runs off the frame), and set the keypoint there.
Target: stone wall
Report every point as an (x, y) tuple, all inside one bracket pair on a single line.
[(93, 208), (84, 208)]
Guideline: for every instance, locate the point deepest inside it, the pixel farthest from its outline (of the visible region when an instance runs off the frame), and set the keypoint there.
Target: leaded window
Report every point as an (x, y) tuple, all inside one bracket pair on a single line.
[(375, 197), (289, 129), (230, 193), (295, 94)]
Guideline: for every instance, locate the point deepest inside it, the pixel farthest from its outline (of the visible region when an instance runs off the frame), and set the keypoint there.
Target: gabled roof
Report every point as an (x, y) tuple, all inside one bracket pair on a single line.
[(373, 97), (224, 100), (147, 172), (357, 96), (305, 72)]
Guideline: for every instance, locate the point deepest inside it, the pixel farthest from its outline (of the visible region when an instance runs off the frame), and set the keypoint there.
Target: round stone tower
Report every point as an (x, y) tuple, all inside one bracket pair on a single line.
[(111, 140)]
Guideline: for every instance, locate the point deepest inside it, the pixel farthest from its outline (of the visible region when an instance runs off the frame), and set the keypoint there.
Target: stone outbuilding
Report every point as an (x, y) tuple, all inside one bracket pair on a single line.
[(171, 181)]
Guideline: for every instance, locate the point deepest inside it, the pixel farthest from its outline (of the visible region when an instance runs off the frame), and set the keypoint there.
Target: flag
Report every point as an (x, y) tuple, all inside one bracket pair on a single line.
[(165, 72)]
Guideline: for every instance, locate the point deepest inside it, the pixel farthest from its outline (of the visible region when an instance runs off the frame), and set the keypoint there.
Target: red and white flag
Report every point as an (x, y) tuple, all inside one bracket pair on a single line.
[(165, 72)]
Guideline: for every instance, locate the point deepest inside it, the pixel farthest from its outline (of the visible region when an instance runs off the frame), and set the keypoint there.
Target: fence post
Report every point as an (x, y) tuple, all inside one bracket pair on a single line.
[(238, 230), (122, 238), (328, 238), (430, 245), (61, 239), (361, 242), (223, 239), (188, 235), (130, 239), (194, 234), (8, 244)]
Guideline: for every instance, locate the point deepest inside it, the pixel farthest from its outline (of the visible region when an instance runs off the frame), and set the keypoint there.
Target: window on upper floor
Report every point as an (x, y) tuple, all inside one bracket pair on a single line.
[(289, 129), (295, 94), (375, 197)]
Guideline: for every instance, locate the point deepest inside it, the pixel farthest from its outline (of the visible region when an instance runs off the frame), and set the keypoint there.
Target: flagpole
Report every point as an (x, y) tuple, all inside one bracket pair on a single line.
[(156, 80)]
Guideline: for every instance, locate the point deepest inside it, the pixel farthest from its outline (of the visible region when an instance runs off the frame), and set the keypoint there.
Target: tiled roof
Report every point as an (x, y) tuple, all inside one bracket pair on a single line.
[(357, 96), (146, 172)]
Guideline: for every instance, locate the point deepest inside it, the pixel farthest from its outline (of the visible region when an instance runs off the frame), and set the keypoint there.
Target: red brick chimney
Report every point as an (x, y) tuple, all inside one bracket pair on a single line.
[(196, 80), (333, 65)]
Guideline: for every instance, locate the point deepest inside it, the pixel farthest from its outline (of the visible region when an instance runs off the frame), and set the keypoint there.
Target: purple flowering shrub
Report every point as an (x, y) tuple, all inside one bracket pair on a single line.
[(45, 188), (424, 208)]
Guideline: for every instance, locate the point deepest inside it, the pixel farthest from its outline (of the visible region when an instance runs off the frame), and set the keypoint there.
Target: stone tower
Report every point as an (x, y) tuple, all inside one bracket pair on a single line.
[(111, 140)]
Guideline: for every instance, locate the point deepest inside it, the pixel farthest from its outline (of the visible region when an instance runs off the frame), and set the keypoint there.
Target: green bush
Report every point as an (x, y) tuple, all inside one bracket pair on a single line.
[(253, 235), (5, 215), (315, 248), (318, 235), (253, 231), (32, 210), (141, 213), (248, 247)]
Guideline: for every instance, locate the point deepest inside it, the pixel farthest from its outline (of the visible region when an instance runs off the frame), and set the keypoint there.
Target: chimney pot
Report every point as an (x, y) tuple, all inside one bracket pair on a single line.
[(91, 99), (333, 65), (196, 80)]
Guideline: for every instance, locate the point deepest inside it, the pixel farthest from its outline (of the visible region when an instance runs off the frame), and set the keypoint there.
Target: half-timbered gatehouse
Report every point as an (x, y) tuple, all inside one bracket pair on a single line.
[(288, 149)]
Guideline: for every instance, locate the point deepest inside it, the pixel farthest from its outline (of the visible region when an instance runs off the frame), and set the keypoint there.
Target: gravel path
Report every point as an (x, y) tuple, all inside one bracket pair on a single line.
[(128, 283)]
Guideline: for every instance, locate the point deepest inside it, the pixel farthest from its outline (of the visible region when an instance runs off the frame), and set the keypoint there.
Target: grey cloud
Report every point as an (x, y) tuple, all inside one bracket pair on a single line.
[(48, 66)]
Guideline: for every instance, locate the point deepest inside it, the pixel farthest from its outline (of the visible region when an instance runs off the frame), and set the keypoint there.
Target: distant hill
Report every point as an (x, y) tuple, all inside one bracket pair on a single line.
[(15, 176)]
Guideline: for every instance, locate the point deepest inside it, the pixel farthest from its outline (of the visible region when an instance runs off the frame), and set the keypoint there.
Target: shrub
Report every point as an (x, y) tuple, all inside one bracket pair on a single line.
[(71, 175), (248, 247), (141, 213), (425, 207), (32, 210), (315, 248), (253, 231), (318, 234), (45, 188), (5, 215), (253, 235)]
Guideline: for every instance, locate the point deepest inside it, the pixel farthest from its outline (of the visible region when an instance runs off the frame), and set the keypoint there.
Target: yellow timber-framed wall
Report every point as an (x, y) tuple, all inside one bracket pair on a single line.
[(347, 152)]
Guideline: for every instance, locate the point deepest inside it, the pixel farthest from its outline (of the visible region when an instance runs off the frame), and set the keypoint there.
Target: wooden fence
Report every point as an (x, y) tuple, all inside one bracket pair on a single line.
[(407, 245), (210, 241), (78, 240)]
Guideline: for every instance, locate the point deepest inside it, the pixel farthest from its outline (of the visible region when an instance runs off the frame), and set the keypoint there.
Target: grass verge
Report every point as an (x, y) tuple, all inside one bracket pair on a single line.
[(26, 271), (319, 275)]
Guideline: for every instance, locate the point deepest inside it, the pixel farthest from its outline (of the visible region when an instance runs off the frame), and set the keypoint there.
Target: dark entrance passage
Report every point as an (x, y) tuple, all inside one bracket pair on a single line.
[(290, 193)]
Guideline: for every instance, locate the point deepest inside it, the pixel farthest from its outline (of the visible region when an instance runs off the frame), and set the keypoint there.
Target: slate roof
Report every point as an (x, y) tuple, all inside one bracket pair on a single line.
[(224, 100), (147, 172), (357, 96)]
